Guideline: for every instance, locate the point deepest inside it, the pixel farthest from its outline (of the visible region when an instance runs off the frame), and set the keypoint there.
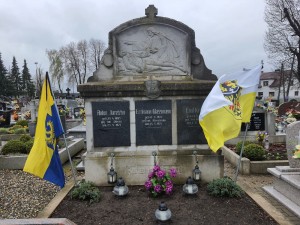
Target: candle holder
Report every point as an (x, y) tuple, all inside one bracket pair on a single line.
[(112, 174), (196, 170)]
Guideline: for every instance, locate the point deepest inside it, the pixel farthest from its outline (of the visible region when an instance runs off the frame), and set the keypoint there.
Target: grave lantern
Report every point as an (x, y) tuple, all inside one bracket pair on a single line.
[(190, 187), (121, 188), (163, 213), (112, 174), (196, 170)]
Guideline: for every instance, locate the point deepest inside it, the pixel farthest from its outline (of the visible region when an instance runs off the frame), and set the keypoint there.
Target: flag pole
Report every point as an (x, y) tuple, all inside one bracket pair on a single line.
[(70, 159), (241, 153)]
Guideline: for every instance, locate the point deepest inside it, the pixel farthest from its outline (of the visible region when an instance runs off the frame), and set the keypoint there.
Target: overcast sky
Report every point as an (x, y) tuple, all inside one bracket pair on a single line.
[(229, 33)]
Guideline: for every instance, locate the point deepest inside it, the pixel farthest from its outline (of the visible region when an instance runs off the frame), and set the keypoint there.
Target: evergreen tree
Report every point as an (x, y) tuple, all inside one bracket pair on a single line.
[(27, 85), (10, 87), (16, 78), (3, 74), (5, 84)]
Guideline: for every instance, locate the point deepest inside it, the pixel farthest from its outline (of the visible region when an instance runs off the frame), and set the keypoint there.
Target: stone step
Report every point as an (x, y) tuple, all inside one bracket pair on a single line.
[(287, 174), (283, 199), (80, 166), (287, 182), (41, 221), (288, 185)]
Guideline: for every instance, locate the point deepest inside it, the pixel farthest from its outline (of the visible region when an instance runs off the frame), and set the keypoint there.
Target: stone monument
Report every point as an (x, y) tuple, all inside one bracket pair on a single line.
[(286, 186), (145, 99)]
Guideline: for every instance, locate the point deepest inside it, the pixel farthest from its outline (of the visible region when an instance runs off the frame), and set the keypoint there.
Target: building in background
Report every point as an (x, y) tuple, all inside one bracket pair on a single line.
[(274, 85)]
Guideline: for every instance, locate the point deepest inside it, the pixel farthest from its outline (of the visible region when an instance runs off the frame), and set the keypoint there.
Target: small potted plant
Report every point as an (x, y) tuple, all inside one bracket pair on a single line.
[(160, 181)]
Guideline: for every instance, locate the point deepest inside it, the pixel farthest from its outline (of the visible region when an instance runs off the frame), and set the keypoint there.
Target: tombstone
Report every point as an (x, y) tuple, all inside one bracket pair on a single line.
[(33, 110), (68, 91), (257, 122), (146, 97), (77, 112), (293, 139), (286, 185), (5, 117)]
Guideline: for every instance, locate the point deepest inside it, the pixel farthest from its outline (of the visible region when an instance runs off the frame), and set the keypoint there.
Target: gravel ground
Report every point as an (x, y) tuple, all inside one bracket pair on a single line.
[(23, 195)]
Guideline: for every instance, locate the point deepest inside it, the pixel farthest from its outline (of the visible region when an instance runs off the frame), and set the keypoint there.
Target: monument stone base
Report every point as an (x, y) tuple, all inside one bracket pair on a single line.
[(134, 167), (286, 187)]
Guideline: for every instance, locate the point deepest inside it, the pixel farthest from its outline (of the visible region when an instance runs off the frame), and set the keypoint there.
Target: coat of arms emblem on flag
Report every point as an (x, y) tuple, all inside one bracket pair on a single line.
[(232, 91)]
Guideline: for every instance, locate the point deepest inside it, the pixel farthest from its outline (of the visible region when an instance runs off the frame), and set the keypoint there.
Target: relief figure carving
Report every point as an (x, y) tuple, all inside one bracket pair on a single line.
[(157, 53)]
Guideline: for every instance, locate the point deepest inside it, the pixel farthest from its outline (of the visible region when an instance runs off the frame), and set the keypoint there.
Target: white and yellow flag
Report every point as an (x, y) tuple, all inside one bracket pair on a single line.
[(229, 103)]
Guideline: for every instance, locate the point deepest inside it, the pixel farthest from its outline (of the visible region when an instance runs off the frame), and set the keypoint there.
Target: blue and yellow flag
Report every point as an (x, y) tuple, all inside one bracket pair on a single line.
[(43, 159), (228, 105)]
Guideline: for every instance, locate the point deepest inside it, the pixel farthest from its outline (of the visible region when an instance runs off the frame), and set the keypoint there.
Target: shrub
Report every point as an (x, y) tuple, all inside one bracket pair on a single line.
[(14, 127), (28, 145), (61, 144), (238, 146), (23, 123), (4, 131), (224, 187), (25, 138), (14, 146), (20, 131), (254, 152), (86, 191)]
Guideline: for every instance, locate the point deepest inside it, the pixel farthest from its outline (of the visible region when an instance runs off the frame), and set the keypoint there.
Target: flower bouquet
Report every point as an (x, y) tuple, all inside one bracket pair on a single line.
[(297, 152), (82, 116), (293, 113), (261, 136), (159, 181)]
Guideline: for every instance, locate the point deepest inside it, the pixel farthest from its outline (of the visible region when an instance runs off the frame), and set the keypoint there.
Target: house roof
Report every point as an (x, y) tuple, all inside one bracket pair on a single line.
[(275, 76)]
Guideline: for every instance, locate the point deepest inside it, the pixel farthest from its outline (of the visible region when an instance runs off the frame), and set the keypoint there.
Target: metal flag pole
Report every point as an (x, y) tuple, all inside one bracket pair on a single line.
[(241, 153), (70, 159)]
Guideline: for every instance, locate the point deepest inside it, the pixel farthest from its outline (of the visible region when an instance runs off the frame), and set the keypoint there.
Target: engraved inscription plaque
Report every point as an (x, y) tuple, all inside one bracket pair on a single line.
[(153, 122), (257, 122), (111, 124), (189, 130)]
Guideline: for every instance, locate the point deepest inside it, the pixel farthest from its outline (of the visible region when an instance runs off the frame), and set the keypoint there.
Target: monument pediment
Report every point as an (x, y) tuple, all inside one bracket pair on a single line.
[(152, 45)]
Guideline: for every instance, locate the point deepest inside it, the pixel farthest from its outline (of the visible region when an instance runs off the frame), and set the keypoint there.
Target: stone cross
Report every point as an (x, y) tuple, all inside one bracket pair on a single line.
[(151, 11), (68, 91)]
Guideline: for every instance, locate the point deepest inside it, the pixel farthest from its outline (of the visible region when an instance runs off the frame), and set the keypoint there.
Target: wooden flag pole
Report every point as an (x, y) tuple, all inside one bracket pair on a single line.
[(70, 159), (241, 153)]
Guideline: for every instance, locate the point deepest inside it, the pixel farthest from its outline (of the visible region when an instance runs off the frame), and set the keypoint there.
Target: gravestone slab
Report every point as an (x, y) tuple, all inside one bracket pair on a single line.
[(189, 130), (153, 122), (111, 123)]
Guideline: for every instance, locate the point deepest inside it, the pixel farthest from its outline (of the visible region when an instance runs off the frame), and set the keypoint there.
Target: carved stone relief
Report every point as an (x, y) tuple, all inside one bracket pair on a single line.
[(156, 49)]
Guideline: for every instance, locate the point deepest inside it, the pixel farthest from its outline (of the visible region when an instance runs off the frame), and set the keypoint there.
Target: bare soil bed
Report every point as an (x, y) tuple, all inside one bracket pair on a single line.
[(276, 151), (138, 208)]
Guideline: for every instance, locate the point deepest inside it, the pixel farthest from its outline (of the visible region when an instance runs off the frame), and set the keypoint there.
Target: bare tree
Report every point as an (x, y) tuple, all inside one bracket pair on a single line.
[(282, 41), (71, 61), (78, 60), (56, 67), (97, 48), (39, 81)]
